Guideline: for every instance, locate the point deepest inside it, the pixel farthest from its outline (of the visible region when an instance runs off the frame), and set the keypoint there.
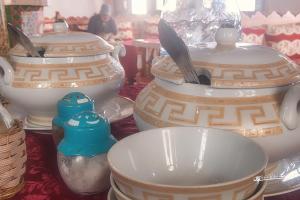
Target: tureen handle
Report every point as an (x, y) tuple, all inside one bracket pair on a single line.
[(289, 108), (8, 70), (119, 50), (6, 117)]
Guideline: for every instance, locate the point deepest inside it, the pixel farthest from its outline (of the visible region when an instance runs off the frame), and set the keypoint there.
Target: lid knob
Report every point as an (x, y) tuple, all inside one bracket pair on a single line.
[(227, 36), (60, 26)]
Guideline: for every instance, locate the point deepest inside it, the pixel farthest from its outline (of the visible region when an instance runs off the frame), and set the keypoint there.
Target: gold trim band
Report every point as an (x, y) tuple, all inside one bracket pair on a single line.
[(215, 100), (41, 66), (184, 190), (258, 132), (74, 84)]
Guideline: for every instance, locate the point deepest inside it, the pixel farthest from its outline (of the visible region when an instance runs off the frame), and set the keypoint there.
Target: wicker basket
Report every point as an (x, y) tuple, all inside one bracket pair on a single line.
[(12, 161)]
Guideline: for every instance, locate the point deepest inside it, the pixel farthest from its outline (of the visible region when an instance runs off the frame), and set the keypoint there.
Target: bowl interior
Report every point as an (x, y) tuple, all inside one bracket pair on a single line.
[(186, 156)]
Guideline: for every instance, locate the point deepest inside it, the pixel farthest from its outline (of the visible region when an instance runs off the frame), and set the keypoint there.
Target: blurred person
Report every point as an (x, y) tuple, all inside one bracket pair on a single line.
[(103, 24)]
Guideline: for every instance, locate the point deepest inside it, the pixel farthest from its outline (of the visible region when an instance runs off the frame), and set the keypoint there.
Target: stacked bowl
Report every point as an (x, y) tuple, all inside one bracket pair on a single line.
[(187, 163)]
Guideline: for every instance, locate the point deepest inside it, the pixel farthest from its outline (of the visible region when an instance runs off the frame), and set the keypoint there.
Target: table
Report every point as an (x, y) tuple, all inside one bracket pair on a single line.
[(147, 49), (42, 178)]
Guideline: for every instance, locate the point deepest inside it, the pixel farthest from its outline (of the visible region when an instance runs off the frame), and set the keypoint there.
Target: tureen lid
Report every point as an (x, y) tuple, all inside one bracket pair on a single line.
[(234, 65), (66, 44)]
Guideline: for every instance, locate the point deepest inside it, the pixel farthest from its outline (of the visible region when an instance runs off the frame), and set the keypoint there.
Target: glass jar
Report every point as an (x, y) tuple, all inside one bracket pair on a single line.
[(82, 154)]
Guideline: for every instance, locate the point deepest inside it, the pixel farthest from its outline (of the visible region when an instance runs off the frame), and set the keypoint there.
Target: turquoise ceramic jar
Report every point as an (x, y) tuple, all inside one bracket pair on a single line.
[(70, 105)]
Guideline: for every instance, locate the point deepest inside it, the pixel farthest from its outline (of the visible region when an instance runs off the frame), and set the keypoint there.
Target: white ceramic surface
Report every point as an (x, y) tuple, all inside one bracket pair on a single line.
[(72, 62), (234, 65), (66, 44), (247, 95), (195, 160), (116, 109), (60, 26), (250, 112)]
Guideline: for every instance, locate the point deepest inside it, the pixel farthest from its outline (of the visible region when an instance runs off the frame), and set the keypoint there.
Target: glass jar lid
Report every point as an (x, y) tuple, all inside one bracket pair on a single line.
[(71, 104), (86, 134)]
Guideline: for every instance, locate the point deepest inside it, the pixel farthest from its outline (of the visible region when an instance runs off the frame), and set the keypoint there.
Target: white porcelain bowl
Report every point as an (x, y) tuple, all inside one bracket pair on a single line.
[(184, 162)]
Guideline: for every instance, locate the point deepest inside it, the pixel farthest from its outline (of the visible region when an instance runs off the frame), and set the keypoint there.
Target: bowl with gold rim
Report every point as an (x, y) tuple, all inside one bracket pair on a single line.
[(184, 163), (253, 92), (69, 62)]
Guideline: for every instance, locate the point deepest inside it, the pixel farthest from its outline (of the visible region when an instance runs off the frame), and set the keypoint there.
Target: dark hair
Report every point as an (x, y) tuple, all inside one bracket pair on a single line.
[(105, 9)]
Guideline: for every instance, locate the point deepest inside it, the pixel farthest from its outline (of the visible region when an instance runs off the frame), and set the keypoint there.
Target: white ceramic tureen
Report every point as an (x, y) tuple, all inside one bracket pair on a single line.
[(72, 61), (251, 93)]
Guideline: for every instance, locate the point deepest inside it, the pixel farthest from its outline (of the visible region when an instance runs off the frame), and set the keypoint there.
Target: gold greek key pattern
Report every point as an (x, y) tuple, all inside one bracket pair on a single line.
[(252, 117), (64, 75), (154, 196), (210, 197), (65, 65), (67, 49), (229, 76), (239, 190), (185, 190)]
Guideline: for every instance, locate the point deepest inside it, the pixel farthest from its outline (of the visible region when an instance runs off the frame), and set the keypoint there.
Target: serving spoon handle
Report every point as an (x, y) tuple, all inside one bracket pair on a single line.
[(179, 52)]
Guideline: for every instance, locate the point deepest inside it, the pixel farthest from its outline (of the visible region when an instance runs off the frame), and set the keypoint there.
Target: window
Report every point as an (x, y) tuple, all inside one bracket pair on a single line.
[(139, 7), (168, 4), (243, 5), (246, 5), (160, 4)]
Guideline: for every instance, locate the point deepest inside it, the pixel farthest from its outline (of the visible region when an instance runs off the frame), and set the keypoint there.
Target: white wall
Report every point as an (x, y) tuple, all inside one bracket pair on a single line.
[(282, 6), (72, 7)]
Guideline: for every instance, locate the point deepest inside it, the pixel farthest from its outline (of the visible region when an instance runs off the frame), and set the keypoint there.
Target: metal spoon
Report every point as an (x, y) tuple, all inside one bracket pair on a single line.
[(179, 52), (23, 40)]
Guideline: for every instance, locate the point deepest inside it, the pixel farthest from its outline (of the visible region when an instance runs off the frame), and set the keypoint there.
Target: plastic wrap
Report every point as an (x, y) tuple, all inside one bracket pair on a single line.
[(196, 21)]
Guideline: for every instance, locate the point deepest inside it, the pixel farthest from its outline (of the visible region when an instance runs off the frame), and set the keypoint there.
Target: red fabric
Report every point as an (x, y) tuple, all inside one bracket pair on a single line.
[(43, 181), (278, 38), (284, 38), (297, 60), (295, 57), (254, 30)]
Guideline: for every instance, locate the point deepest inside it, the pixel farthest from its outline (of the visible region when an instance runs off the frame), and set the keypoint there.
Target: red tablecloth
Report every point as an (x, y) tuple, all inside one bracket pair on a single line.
[(42, 178)]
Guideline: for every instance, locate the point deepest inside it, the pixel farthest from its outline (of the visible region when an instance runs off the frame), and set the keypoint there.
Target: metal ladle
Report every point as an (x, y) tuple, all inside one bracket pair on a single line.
[(23, 40), (179, 52)]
